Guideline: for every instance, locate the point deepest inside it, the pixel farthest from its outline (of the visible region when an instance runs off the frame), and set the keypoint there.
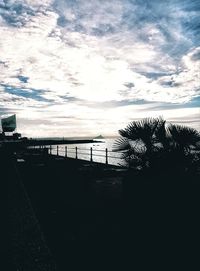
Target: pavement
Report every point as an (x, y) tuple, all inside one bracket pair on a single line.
[(26, 247), (60, 210)]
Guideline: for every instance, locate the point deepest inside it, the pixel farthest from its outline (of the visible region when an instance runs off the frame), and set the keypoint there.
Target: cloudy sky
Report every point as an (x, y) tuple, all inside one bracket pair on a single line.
[(83, 68)]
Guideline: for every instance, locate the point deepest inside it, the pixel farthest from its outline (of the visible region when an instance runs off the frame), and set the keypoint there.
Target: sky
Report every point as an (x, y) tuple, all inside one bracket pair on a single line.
[(83, 68)]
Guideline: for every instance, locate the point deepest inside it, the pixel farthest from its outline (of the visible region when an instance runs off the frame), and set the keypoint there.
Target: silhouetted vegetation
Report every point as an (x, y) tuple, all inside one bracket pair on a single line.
[(86, 211), (161, 188), (159, 151)]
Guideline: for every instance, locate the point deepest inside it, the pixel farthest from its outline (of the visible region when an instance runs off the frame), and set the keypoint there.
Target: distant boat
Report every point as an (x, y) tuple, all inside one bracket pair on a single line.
[(99, 137)]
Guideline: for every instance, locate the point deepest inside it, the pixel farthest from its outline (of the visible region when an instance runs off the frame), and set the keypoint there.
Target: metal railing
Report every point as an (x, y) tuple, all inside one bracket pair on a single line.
[(89, 154)]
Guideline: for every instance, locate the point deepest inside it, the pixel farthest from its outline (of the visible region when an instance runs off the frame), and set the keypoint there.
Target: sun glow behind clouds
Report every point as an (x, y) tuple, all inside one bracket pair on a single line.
[(77, 65)]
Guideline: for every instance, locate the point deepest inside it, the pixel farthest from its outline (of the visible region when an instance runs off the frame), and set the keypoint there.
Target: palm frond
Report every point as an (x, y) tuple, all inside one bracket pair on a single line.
[(143, 129), (184, 136), (121, 144), (149, 143)]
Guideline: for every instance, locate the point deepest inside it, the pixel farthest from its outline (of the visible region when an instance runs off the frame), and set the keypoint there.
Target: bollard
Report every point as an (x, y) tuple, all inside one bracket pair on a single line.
[(76, 153), (57, 150)]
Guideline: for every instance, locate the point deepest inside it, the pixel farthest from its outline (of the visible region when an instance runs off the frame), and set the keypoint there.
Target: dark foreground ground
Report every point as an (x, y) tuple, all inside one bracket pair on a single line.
[(73, 215), (62, 213)]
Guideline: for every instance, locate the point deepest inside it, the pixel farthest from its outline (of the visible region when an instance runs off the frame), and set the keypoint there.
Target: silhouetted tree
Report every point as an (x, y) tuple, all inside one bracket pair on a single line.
[(151, 146)]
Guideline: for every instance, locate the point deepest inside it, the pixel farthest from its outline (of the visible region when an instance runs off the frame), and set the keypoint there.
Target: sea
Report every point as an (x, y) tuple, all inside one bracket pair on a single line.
[(98, 151)]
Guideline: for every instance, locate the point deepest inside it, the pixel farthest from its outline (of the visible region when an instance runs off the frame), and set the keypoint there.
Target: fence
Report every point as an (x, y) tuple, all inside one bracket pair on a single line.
[(90, 154)]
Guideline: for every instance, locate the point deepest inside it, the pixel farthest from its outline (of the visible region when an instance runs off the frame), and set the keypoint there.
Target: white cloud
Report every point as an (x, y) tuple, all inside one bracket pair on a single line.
[(73, 120), (95, 54)]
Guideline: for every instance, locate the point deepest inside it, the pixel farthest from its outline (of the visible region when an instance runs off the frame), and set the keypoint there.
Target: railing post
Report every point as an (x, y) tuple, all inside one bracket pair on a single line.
[(91, 154), (57, 150), (65, 151), (76, 153), (106, 156), (129, 161)]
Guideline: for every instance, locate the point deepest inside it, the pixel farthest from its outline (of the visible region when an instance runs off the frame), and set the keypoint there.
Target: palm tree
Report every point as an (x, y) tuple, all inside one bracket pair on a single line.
[(139, 140), (150, 144)]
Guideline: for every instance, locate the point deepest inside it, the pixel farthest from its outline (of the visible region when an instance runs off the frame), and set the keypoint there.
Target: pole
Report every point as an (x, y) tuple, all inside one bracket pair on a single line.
[(76, 153), (57, 150), (91, 154), (129, 161), (65, 151), (106, 156)]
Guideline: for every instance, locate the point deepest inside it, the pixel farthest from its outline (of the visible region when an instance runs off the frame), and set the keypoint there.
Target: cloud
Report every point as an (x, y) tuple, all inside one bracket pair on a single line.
[(23, 79), (34, 94), (90, 17), (18, 12), (85, 57)]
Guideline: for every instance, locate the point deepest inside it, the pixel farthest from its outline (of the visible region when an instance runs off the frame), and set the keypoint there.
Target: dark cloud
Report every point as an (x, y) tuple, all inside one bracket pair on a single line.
[(155, 75), (2, 62), (29, 93), (16, 13), (194, 103), (12, 99), (193, 5), (196, 56), (4, 111), (170, 83), (62, 21), (129, 85), (69, 98), (102, 30), (23, 79), (94, 18), (177, 26), (167, 83)]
